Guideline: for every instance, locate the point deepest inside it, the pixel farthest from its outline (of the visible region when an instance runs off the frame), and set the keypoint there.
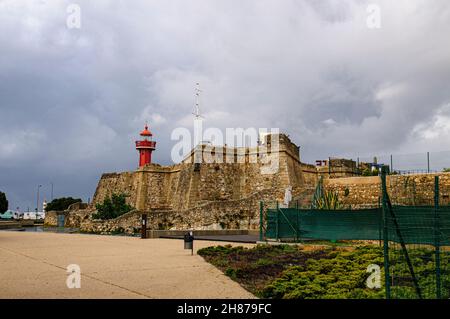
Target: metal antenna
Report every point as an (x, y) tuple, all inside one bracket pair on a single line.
[(197, 101)]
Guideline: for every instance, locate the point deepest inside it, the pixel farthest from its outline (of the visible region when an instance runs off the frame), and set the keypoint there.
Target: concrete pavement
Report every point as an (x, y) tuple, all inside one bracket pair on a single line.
[(33, 265)]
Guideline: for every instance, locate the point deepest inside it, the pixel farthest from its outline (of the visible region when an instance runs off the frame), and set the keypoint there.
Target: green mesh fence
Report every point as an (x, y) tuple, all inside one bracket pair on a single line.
[(301, 224), (413, 224), (417, 224), (417, 230)]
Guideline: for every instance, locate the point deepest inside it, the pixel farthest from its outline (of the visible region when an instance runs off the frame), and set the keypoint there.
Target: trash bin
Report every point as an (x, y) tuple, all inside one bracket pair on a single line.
[(189, 241)]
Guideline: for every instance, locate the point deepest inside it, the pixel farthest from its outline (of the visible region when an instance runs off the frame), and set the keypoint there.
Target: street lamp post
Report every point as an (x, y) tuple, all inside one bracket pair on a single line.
[(37, 201)]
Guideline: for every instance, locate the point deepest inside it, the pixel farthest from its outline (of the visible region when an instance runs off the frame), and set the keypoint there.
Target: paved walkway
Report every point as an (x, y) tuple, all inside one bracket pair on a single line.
[(33, 265)]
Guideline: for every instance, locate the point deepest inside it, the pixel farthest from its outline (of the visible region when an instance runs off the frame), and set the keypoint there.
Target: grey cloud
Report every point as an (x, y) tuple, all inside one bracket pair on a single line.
[(73, 101)]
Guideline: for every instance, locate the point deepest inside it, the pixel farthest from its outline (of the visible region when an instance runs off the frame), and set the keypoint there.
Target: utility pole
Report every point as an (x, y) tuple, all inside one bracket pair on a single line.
[(52, 191), (392, 165), (37, 201)]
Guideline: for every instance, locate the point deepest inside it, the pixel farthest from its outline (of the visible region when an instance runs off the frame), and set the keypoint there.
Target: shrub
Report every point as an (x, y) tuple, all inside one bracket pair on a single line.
[(61, 203), (343, 276), (230, 272), (369, 172), (328, 201), (264, 262), (285, 271), (112, 207)]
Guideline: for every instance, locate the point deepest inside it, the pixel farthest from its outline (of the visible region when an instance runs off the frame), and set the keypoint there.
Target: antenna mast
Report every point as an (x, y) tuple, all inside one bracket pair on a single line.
[(197, 101)]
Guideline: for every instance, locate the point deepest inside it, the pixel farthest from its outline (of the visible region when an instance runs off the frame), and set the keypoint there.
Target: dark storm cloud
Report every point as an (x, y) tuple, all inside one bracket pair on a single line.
[(72, 100)]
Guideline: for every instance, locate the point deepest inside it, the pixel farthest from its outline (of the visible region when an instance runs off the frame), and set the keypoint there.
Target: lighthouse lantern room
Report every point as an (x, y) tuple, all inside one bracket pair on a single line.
[(145, 147)]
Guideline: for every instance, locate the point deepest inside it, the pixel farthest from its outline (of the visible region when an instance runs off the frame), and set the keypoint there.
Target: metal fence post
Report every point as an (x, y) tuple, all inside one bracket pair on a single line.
[(437, 237), (392, 165), (329, 167), (278, 220), (385, 234), (261, 220), (380, 223)]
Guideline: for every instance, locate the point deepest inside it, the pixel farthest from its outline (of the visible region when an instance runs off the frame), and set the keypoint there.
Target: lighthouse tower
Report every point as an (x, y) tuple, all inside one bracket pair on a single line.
[(145, 147)]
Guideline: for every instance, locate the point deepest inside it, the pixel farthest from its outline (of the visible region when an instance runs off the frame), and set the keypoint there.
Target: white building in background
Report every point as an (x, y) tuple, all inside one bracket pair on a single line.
[(18, 215), (32, 215)]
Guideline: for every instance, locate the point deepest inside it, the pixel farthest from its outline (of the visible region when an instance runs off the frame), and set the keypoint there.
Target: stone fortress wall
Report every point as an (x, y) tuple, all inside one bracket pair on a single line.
[(227, 195), (187, 185), (365, 192)]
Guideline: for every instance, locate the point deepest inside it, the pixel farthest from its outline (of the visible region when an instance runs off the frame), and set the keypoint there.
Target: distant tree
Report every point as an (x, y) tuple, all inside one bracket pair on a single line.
[(446, 170), (3, 203), (62, 203), (112, 207), (369, 172)]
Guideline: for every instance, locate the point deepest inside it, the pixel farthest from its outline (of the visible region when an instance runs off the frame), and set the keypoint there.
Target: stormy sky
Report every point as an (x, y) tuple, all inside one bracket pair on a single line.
[(72, 100)]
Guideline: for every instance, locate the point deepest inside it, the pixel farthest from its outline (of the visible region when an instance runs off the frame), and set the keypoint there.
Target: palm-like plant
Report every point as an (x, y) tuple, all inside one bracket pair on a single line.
[(328, 201)]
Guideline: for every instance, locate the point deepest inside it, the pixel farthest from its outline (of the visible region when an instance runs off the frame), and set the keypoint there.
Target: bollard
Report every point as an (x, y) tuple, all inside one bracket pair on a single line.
[(189, 242), (144, 226)]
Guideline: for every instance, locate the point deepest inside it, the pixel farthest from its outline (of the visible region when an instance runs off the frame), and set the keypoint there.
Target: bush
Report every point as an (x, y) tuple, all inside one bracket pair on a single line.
[(343, 276), (61, 203), (285, 271), (112, 207), (369, 172), (328, 201)]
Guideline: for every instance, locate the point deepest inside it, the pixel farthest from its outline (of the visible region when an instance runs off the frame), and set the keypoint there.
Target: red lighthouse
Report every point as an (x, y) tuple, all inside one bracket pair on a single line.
[(145, 147)]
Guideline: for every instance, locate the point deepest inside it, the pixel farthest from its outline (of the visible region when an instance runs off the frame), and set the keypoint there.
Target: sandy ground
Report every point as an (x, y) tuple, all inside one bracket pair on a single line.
[(33, 265)]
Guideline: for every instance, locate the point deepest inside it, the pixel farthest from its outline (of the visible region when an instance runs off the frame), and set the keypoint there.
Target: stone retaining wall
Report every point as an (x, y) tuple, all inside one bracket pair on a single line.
[(218, 215), (363, 192)]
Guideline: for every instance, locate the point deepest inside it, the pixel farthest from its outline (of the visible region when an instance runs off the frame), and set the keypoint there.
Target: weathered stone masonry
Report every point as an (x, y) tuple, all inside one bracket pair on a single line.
[(363, 192), (202, 196), (185, 185), (227, 195)]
